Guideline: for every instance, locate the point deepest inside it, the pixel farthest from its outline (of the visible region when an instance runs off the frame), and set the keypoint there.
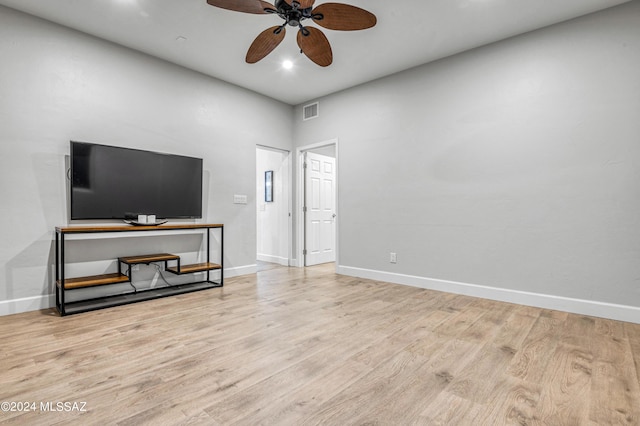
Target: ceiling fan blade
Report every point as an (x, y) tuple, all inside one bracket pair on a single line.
[(247, 6), (266, 41), (304, 4), (343, 17), (316, 46)]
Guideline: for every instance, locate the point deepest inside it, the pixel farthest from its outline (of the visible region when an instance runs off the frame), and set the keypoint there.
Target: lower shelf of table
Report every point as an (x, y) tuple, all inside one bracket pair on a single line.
[(94, 280), (142, 295), (197, 267)]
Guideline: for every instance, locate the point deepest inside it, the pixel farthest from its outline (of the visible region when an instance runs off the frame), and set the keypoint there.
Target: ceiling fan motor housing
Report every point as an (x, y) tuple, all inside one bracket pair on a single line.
[(291, 13), (294, 17)]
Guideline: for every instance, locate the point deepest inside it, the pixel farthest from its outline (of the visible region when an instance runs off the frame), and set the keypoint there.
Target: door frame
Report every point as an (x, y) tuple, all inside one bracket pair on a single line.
[(300, 197), (289, 189)]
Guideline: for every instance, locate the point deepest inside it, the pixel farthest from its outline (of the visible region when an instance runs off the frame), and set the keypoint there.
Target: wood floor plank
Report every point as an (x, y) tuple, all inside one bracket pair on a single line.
[(308, 346), (632, 333), (513, 402), (530, 362), (566, 397), (251, 401), (615, 393), (513, 331), (402, 385), (460, 322), (293, 407), (352, 405), (478, 382), (449, 409), (579, 330), (489, 324)]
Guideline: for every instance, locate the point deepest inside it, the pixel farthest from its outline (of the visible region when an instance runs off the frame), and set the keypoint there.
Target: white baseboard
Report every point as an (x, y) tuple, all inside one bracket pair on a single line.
[(273, 259), (17, 306), (546, 301), (240, 270), (26, 304)]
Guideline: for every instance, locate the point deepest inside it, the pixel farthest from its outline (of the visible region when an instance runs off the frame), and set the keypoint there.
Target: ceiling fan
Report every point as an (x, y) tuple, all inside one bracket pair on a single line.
[(312, 42)]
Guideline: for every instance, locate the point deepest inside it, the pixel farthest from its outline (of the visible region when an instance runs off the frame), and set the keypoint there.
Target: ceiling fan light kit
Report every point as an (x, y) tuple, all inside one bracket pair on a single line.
[(312, 42)]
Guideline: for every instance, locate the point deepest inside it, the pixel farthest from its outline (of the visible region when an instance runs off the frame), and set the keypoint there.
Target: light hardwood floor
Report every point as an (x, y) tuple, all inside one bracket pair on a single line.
[(292, 346)]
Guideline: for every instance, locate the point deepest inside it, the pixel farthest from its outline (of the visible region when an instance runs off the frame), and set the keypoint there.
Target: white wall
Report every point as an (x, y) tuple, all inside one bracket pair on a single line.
[(58, 85), (273, 217), (510, 171), (329, 150)]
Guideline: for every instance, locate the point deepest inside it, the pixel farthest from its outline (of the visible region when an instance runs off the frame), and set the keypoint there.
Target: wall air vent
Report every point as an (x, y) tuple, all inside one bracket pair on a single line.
[(310, 111)]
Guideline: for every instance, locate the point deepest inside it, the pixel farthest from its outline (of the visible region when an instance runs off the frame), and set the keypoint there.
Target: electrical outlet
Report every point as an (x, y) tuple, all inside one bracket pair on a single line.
[(393, 258)]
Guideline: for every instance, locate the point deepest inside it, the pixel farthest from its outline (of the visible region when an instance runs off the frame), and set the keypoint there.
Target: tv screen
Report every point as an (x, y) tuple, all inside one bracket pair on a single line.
[(109, 182)]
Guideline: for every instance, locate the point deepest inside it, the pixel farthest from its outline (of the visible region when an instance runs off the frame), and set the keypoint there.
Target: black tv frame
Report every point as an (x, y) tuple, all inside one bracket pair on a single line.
[(166, 189)]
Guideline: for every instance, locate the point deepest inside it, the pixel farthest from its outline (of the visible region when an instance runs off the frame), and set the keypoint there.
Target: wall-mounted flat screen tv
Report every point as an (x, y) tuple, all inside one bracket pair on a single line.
[(109, 182)]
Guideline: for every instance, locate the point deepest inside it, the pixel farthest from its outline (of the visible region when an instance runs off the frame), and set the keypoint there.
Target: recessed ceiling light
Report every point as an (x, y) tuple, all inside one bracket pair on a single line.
[(287, 65)]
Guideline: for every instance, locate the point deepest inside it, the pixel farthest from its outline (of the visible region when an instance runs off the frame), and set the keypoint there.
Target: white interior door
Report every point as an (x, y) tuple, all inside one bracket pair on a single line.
[(319, 209)]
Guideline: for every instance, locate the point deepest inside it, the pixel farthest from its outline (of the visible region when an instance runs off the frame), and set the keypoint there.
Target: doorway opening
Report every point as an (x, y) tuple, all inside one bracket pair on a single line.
[(317, 209), (273, 206)]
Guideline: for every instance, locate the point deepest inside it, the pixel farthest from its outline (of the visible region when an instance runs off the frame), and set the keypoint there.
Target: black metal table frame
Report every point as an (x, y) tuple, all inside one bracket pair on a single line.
[(185, 288)]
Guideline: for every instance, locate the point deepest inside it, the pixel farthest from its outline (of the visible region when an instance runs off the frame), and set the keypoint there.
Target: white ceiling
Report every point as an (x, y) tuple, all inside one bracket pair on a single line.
[(214, 41)]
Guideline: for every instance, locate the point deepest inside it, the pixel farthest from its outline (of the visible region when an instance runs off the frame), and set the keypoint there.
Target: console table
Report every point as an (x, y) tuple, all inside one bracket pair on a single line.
[(65, 284)]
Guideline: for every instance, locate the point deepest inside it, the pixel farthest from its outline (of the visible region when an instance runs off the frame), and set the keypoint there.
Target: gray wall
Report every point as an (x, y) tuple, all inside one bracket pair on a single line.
[(58, 85), (513, 166)]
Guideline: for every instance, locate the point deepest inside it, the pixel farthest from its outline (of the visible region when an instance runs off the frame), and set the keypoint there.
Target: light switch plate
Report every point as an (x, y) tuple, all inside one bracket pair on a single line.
[(239, 199)]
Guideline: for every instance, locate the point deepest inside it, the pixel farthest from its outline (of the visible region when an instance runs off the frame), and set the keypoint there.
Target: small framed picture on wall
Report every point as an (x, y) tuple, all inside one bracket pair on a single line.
[(268, 186)]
